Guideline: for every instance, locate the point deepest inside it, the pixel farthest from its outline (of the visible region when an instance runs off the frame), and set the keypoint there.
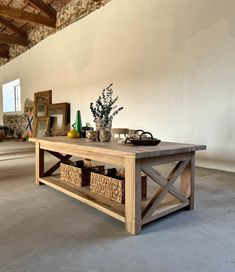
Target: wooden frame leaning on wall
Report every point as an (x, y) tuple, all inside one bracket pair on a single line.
[(42, 126), (42, 96), (60, 118)]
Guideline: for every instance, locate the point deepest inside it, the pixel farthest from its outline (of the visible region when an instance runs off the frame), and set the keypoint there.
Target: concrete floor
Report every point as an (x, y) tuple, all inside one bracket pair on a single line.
[(46, 231)]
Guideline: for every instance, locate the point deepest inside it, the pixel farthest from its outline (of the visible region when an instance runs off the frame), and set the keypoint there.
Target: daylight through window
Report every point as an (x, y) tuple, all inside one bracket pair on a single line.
[(11, 96)]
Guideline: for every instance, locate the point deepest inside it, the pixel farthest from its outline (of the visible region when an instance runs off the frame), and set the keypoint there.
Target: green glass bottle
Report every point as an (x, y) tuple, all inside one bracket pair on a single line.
[(78, 124)]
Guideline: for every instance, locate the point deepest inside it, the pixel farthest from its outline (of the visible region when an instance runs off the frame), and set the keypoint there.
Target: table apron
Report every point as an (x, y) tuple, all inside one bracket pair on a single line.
[(106, 158)]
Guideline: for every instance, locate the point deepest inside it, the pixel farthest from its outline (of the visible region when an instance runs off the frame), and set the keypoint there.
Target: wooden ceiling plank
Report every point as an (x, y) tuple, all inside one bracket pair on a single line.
[(47, 9), (12, 27), (4, 47), (4, 54), (27, 16), (10, 39)]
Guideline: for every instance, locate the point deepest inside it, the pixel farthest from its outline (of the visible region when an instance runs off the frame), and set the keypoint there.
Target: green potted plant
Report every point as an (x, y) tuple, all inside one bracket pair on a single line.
[(103, 111)]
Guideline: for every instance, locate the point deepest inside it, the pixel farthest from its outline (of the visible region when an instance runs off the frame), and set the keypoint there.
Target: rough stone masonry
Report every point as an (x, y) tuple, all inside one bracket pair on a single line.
[(70, 13)]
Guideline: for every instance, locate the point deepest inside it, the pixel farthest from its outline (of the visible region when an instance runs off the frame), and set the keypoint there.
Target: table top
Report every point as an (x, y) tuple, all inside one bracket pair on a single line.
[(114, 148)]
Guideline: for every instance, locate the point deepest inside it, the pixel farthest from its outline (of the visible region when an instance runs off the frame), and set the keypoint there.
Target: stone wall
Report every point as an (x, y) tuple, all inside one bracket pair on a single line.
[(72, 12)]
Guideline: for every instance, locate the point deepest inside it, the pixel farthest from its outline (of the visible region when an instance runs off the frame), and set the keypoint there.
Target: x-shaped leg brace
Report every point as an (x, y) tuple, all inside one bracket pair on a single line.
[(166, 186), (62, 158)]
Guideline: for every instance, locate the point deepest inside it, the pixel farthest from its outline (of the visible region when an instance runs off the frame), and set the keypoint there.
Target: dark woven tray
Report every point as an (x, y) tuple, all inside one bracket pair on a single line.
[(143, 140), (147, 141)]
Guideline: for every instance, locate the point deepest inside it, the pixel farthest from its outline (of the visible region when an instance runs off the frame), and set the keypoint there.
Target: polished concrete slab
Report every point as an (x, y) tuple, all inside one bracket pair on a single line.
[(42, 230)]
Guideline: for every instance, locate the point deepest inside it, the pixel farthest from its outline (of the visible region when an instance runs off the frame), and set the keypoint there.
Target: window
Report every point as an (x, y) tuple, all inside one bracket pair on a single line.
[(11, 96)]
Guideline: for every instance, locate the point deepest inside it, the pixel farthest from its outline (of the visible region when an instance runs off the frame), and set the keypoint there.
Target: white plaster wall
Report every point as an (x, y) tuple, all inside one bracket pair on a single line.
[(172, 63)]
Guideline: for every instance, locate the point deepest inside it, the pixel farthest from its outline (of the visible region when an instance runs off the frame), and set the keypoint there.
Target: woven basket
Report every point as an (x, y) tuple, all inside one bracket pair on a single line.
[(79, 175), (113, 188)]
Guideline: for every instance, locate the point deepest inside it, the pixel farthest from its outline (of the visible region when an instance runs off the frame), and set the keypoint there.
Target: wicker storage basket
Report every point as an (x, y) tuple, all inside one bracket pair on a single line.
[(114, 188), (79, 175)]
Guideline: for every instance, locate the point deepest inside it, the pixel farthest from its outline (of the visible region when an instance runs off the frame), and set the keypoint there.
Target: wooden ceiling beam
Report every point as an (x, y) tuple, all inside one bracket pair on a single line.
[(10, 39), (27, 16), (4, 54), (4, 47), (47, 9), (12, 27)]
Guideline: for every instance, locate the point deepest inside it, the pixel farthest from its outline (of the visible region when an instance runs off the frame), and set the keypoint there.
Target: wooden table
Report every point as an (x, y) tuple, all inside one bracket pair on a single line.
[(167, 198)]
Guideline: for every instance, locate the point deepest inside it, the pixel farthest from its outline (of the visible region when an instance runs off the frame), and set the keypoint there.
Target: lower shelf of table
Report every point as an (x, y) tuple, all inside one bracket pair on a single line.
[(116, 210)]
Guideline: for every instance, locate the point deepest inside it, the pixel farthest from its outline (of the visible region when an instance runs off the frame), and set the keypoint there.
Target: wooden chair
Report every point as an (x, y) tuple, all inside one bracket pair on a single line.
[(120, 132)]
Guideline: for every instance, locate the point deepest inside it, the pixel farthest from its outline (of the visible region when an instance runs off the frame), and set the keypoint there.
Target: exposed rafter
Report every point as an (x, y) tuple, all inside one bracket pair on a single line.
[(12, 27), (4, 54), (4, 47), (10, 39), (47, 9), (27, 16)]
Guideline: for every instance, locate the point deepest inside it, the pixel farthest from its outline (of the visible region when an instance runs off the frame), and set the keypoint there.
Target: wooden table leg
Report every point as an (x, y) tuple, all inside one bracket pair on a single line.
[(39, 163), (133, 196), (188, 181)]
